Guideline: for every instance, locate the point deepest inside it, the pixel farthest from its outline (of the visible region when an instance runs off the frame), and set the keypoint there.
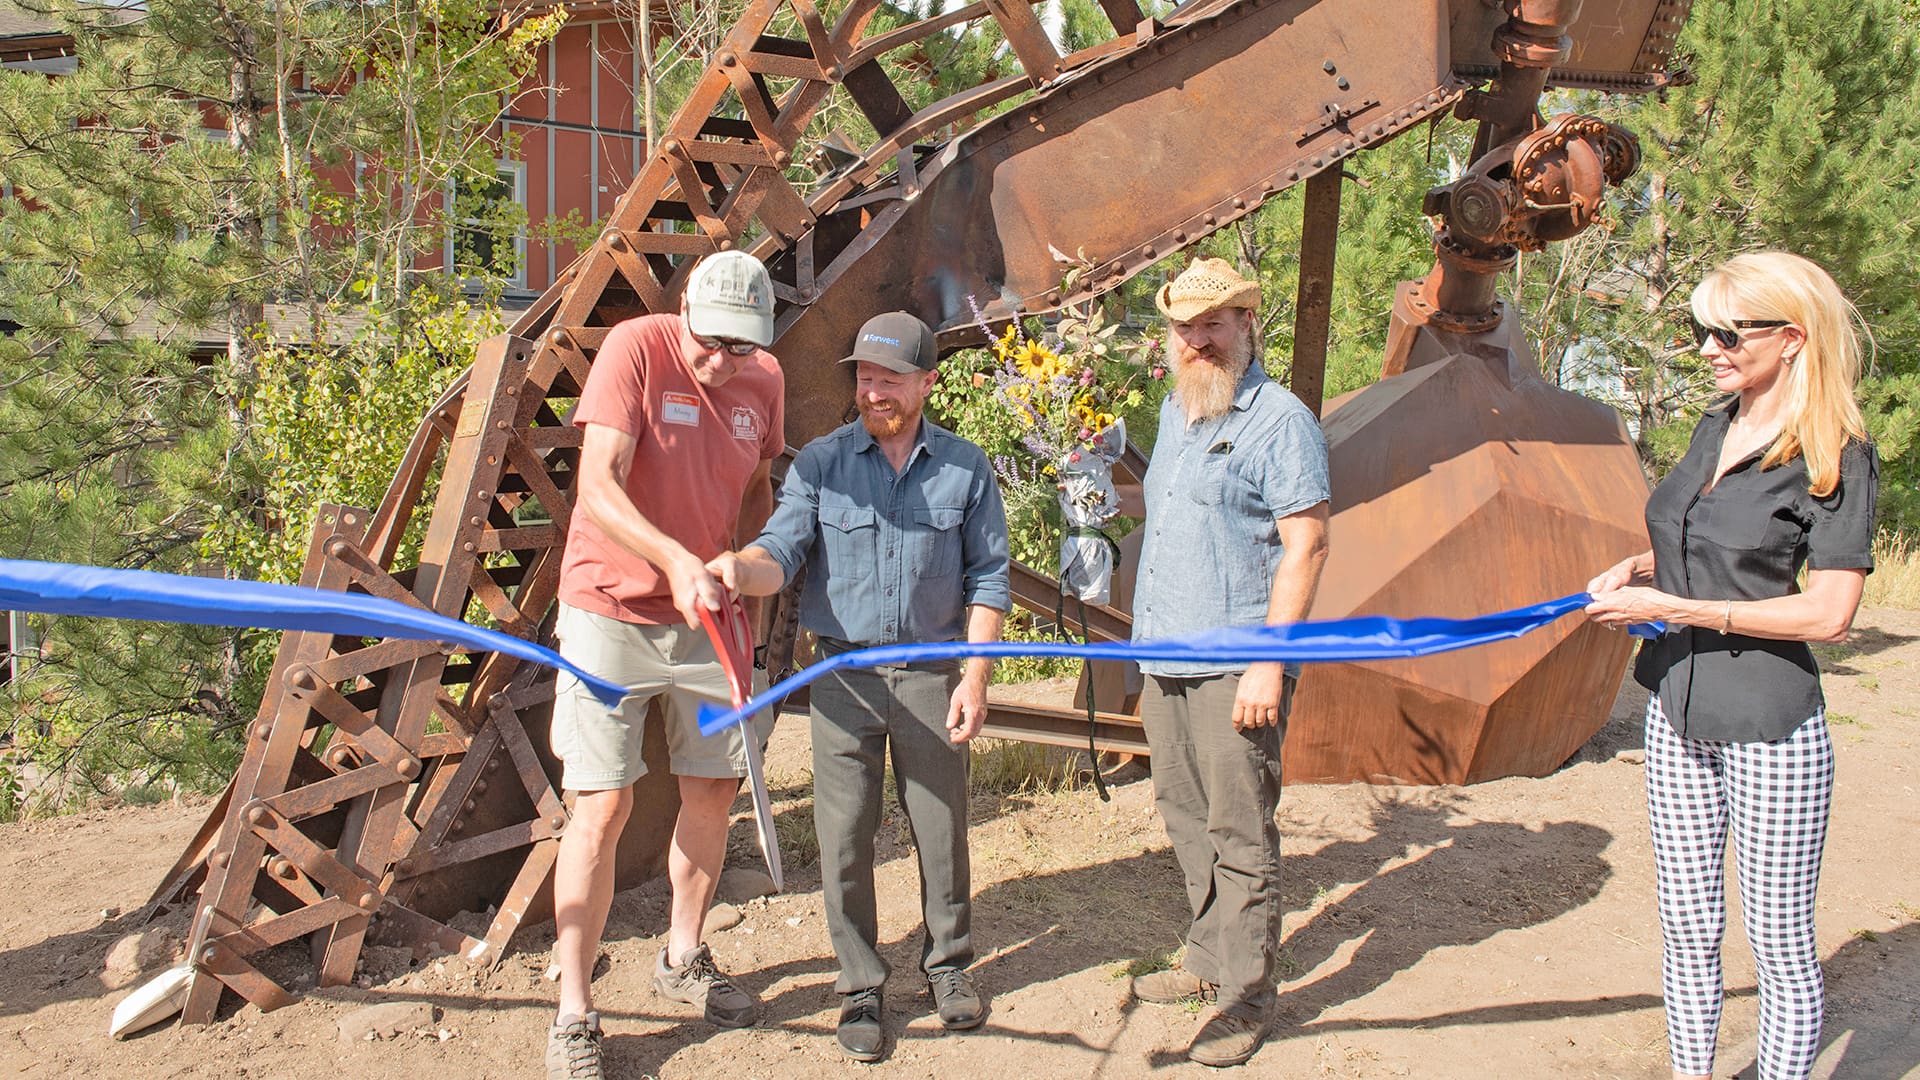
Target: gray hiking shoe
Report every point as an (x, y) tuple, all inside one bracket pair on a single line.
[(697, 981), (573, 1048), (1173, 986), (1227, 1039)]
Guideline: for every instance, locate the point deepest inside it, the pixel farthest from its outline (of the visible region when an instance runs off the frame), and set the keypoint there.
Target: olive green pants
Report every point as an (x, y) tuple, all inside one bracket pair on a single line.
[(1217, 789)]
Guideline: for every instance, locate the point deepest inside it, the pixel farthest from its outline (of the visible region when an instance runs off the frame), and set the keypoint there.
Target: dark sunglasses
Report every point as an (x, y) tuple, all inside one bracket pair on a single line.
[(1729, 339), (734, 348)]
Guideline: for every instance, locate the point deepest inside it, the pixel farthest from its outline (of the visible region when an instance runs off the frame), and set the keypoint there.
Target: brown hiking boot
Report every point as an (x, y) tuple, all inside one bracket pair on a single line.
[(1172, 987), (1227, 1039)]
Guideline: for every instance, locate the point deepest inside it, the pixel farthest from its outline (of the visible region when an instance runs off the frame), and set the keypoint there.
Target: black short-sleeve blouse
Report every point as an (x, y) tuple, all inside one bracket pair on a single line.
[(1746, 540)]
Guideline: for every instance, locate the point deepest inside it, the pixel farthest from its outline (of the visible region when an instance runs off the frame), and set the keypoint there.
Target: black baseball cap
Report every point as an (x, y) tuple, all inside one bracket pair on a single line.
[(897, 341)]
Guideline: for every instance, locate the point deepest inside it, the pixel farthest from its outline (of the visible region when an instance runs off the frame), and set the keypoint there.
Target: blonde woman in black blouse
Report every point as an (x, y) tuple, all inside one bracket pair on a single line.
[(1779, 475)]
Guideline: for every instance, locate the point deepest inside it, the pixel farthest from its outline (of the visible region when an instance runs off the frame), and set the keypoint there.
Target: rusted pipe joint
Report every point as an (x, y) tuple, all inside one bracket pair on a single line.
[(1518, 47)]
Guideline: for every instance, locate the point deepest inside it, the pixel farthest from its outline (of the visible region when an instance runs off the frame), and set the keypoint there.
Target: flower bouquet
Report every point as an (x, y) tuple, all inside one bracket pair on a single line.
[(1065, 411)]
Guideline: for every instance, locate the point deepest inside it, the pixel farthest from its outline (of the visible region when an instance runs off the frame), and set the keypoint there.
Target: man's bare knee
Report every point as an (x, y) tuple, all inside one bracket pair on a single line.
[(706, 796), (598, 814)]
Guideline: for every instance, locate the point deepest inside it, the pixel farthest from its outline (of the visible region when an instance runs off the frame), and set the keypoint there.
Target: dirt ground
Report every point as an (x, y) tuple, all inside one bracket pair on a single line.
[(1506, 928)]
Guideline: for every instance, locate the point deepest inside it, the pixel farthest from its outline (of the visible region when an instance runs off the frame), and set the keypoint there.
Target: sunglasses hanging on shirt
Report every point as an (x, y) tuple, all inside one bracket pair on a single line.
[(1730, 339)]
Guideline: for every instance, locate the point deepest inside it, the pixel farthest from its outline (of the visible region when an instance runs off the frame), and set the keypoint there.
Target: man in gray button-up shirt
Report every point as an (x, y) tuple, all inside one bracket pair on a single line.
[(901, 527), (1235, 503)]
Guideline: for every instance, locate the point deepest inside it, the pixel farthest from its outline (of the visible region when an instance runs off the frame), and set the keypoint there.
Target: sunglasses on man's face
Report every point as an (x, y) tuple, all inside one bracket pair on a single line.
[(1727, 338), (734, 348)]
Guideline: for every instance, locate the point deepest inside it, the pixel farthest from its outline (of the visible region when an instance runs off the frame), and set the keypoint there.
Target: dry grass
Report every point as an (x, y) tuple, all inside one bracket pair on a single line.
[(1895, 581), (1005, 767)]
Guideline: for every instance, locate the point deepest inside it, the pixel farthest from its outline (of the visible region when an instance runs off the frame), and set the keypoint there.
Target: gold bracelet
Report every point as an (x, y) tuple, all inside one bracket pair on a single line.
[(1726, 620)]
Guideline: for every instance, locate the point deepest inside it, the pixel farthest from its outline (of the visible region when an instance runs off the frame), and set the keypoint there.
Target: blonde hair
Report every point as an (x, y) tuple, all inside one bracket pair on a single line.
[(1821, 414)]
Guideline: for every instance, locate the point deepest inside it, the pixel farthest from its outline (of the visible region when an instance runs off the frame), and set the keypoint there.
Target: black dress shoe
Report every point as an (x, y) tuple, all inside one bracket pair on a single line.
[(955, 999), (860, 1032)]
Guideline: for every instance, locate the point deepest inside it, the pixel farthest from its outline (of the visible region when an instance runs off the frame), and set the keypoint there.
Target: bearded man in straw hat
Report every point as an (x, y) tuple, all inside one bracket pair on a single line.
[(1235, 503)]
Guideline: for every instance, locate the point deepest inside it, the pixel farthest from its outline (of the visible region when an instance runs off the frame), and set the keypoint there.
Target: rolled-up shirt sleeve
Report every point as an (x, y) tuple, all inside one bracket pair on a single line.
[(983, 543), (790, 531), (1292, 471), (1841, 534)]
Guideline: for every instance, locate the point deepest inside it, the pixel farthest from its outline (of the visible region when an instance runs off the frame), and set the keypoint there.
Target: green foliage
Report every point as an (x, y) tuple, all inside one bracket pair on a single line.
[(1800, 131), (331, 424), (202, 160)]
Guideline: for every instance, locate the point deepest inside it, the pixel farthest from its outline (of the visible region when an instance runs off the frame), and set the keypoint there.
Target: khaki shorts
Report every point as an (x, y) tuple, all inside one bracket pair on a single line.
[(601, 747)]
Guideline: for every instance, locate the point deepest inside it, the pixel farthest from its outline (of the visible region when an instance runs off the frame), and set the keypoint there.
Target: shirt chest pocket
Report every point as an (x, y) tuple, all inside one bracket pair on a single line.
[(848, 538), (1206, 481), (1743, 525), (936, 537)]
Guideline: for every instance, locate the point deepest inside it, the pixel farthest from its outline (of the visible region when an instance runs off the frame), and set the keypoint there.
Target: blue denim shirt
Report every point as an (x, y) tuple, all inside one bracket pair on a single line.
[(1215, 491), (895, 557)]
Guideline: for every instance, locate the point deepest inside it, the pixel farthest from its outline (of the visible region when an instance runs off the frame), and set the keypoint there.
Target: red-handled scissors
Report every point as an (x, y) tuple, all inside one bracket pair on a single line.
[(734, 642)]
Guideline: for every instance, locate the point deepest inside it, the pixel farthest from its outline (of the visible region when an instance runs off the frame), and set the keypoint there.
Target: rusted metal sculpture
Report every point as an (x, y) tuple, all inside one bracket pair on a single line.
[(387, 786)]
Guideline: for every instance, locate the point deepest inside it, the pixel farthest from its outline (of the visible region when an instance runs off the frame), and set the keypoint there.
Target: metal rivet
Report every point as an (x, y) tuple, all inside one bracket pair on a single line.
[(1342, 83), (467, 546), (218, 860), (1328, 67), (557, 821), (258, 815), (263, 729), (369, 900), (406, 866), (209, 955)]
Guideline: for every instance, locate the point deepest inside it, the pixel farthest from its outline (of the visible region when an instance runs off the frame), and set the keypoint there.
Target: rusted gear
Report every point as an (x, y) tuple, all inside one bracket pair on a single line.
[(1546, 185)]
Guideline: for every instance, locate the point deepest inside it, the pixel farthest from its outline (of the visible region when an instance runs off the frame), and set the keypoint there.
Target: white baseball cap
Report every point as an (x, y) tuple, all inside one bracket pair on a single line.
[(730, 296)]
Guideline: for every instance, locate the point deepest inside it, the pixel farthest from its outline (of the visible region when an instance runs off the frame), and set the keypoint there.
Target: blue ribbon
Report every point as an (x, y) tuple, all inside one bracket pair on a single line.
[(62, 589), (1372, 637)]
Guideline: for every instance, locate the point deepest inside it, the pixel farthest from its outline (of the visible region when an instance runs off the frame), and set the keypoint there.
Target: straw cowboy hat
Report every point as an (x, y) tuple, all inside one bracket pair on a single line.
[(1206, 285)]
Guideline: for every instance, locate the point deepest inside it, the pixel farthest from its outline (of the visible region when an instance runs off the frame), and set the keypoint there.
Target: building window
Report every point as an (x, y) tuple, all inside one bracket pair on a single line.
[(488, 240)]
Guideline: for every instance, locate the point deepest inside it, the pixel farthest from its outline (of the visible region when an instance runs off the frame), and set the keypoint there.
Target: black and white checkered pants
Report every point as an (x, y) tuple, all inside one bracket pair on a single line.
[(1775, 796)]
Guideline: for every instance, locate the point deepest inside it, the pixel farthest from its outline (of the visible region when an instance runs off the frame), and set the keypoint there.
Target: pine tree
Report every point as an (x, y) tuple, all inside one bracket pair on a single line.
[(203, 158), (1799, 129)]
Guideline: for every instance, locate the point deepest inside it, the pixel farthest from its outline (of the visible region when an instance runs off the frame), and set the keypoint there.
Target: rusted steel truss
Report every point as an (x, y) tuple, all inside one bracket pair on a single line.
[(387, 785)]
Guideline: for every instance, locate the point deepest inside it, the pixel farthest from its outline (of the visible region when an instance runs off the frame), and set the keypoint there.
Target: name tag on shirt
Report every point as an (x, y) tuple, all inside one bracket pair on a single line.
[(680, 409)]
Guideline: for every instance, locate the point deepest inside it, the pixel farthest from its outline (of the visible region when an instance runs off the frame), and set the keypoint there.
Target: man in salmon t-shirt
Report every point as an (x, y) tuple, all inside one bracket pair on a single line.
[(683, 418)]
